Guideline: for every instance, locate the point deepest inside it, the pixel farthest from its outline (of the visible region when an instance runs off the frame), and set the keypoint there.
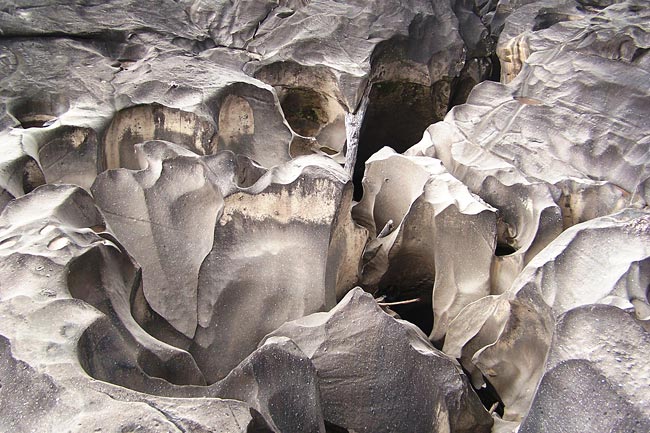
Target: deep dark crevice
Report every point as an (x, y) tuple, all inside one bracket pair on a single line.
[(32, 176), (398, 113), (38, 113), (154, 324), (37, 121), (495, 75), (504, 249), (420, 314), (475, 71), (311, 113), (489, 397), (410, 279), (257, 424), (547, 18), (101, 36), (333, 428), (304, 109), (462, 88)]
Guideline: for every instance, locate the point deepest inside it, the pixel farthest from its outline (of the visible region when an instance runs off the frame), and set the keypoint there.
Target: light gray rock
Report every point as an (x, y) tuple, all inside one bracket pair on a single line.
[(78, 292), (427, 230), (367, 361), (569, 272), (596, 375), (65, 317), (219, 237), (165, 216), (552, 126), (548, 149), (507, 337), (231, 131), (98, 20), (600, 145), (528, 218), (206, 107), (277, 255), (83, 104), (59, 98)]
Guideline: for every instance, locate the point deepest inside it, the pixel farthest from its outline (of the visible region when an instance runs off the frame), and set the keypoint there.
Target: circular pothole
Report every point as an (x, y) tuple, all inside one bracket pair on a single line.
[(38, 113)]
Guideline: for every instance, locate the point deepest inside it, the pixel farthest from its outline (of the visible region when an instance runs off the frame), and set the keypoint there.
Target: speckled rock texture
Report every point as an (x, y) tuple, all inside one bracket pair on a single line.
[(325, 216)]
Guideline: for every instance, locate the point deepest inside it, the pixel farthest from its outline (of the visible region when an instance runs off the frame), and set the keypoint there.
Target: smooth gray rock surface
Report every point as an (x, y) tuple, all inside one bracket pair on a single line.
[(220, 238), (58, 331), (79, 293), (427, 230), (276, 257), (507, 337)]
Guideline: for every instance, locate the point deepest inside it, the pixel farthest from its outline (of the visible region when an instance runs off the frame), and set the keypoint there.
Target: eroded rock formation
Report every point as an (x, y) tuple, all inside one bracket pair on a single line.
[(191, 191)]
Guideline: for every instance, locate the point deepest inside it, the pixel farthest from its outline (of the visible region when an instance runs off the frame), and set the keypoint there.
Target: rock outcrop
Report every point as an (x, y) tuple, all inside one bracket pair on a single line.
[(220, 238), (596, 374), (188, 188), (365, 358), (66, 320)]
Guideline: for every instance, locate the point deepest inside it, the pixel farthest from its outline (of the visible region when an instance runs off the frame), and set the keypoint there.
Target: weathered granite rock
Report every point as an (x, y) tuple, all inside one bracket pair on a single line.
[(592, 162), (415, 41), (219, 236), (65, 315), (567, 270), (546, 150), (276, 256), (367, 361), (506, 338), (58, 98), (528, 218), (280, 382), (428, 229), (385, 54), (206, 107), (208, 114), (165, 216), (82, 104), (596, 376), (604, 46)]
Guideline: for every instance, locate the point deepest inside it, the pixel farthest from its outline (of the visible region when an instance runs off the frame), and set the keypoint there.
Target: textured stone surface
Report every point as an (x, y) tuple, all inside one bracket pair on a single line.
[(60, 328), (596, 375), (279, 381), (428, 230), (552, 134), (239, 165), (271, 258), (217, 236), (366, 360), (507, 337)]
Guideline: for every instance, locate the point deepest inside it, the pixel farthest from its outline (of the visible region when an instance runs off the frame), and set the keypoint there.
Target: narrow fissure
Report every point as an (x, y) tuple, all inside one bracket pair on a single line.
[(398, 114)]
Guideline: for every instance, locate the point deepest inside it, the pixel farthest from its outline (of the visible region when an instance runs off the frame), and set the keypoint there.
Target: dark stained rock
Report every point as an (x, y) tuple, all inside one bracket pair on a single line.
[(366, 361), (596, 375), (280, 382)]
